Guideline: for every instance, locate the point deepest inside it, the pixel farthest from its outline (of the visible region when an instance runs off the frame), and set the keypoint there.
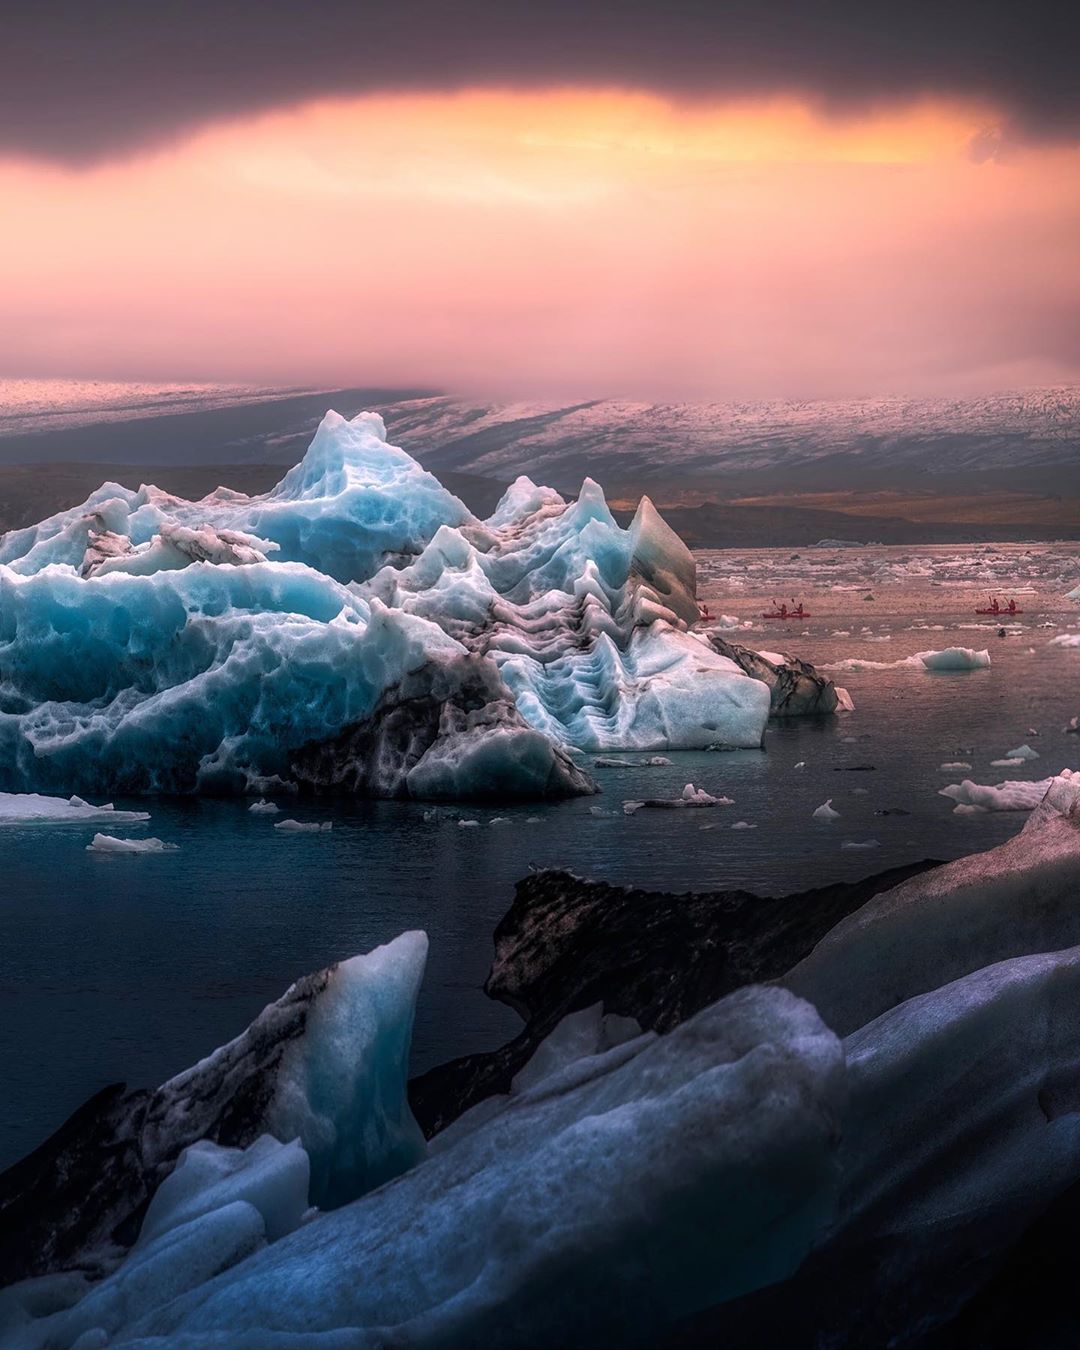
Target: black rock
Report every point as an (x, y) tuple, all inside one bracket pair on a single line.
[(795, 688), (659, 957)]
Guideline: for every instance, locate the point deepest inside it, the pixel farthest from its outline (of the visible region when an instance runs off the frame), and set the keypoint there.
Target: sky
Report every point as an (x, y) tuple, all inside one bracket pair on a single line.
[(656, 201)]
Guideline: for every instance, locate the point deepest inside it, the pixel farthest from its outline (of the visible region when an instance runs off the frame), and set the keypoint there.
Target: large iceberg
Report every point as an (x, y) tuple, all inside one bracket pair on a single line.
[(355, 629)]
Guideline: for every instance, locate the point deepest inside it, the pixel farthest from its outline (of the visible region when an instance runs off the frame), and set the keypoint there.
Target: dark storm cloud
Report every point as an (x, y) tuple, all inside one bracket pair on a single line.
[(85, 79)]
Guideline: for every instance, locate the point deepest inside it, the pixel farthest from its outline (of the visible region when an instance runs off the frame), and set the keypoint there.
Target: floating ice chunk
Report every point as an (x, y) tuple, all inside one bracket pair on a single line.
[(844, 701), (499, 820), (270, 1175), (860, 844), (800, 765), (468, 824), (690, 796), (966, 809), (1066, 639), (303, 826), (955, 658), (611, 762), (743, 825), (107, 843), (825, 812), (954, 765), (951, 659), (1022, 752), (1007, 763), (30, 808), (1007, 796), (655, 761), (264, 808)]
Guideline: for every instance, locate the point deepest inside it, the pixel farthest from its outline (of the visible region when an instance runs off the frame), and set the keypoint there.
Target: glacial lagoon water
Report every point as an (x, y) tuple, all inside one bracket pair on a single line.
[(131, 968)]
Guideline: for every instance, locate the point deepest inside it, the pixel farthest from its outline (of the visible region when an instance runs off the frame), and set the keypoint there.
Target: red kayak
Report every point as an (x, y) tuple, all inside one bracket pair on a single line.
[(995, 611), (782, 612)]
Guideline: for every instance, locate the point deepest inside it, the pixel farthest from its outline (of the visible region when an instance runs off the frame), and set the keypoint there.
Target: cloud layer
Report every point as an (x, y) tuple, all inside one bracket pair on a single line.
[(84, 81)]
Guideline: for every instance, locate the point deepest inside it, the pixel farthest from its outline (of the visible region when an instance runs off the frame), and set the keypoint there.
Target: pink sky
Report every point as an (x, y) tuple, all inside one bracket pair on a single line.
[(581, 242)]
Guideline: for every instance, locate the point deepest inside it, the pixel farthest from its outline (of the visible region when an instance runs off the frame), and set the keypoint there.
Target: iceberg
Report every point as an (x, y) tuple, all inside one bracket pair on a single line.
[(354, 630)]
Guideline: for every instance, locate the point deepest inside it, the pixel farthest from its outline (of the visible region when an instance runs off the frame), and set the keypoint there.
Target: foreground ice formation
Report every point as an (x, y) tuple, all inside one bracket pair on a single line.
[(625, 1189), (326, 1064), (353, 630), (729, 1120)]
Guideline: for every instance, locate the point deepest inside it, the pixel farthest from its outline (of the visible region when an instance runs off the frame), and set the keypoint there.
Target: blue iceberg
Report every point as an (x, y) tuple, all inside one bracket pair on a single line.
[(354, 630)]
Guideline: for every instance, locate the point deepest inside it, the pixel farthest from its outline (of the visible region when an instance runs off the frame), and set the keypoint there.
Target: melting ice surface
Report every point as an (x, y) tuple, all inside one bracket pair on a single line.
[(355, 629)]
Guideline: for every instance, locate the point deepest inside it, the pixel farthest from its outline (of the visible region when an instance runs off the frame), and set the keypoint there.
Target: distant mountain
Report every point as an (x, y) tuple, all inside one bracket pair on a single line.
[(620, 442), (1005, 466)]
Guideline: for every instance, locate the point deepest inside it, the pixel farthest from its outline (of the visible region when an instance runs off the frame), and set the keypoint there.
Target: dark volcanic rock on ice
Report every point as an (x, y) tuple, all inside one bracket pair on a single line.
[(453, 716), (795, 687), (567, 943)]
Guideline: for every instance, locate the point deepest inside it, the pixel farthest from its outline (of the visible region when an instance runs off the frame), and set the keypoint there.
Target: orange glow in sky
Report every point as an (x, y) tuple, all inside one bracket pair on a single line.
[(577, 242)]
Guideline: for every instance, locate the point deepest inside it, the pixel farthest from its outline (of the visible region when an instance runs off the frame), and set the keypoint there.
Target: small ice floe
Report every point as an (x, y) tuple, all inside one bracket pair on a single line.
[(304, 826), (801, 764), (499, 820), (107, 843), (30, 808), (602, 811), (532, 820), (844, 701), (1073, 728), (969, 809), (954, 766), (655, 761), (1022, 752), (1065, 640), (612, 762), (1012, 795), (691, 796), (1013, 763), (743, 825), (860, 843), (825, 812), (468, 824), (264, 808)]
